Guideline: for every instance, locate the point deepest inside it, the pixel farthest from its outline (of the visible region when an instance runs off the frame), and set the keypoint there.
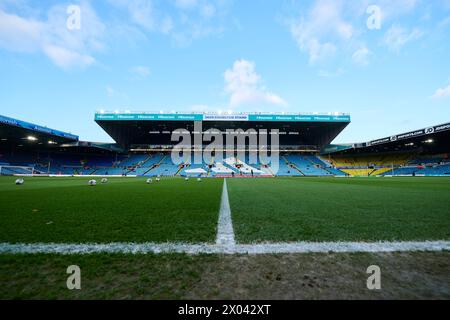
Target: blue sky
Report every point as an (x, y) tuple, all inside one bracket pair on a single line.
[(388, 65)]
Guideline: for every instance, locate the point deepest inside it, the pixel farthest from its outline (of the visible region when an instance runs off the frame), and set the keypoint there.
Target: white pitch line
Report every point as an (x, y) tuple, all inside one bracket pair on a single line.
[(225, 233), (205, 248)]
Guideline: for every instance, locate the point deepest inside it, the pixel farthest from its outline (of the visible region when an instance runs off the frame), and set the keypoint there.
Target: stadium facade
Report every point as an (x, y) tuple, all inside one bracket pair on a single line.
[(145, 143), (153, 130)]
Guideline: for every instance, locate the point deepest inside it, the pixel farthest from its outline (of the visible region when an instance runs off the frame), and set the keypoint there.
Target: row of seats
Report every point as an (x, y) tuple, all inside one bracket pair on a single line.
[(435, 170), (393, 164), (372, 160), (160, 164)]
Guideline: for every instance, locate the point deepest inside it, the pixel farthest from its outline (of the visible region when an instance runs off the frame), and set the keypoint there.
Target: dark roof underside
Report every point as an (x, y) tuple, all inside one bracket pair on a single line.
[(151, 133)]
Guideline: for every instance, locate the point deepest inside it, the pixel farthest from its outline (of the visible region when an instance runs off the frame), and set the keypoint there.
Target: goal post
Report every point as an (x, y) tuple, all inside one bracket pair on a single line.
[(16, 170)]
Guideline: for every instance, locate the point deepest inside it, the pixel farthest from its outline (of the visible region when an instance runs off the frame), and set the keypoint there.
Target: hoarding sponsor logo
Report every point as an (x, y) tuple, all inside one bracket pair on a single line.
[(443, 127), (34, 127), (411, 134), (227, 117)]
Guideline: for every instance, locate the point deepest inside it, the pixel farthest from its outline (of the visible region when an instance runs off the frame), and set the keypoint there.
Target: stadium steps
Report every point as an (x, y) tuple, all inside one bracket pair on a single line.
[(322, 164), (156, 165), (292, 165), (180, 168), (149, 169), (146, 160), (140, 164), (266, 169), (210, 165), (231, 167), (380, 171)]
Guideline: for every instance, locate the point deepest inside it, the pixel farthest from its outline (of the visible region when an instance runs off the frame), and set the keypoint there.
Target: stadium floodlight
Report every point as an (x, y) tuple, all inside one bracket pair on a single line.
[(429, 141), (51, 142), (31, 138)]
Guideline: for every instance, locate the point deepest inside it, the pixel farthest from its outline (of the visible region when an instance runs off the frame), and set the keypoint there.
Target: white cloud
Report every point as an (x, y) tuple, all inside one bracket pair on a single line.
[(442, 93), (66, 58), (396, 37), (188, 20), (331, 74), (110, 91), (361, 56), (208, 11), (115, 94), (244, 86), (141, 71), (19, 34), (318, 32), (65, 48), (186, 4), (141, 13), (327, 28)]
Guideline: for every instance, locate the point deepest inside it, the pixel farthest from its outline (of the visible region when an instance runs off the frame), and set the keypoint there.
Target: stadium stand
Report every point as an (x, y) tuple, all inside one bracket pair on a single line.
[(422, 152)]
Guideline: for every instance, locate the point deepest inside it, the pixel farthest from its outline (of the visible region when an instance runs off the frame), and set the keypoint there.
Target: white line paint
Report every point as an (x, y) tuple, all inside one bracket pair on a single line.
[(225, 233), (225, 244), (205, 248)]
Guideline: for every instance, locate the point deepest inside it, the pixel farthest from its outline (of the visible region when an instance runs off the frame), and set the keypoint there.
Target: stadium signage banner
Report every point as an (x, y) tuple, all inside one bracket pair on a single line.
[(299, 118), (220, 117), (35, 127), (412, 134), (336, 147), (225, 117), (148, 117)]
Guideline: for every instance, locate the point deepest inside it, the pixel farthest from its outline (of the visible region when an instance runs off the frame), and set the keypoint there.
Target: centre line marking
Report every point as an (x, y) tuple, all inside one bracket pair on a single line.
[(225, 233)]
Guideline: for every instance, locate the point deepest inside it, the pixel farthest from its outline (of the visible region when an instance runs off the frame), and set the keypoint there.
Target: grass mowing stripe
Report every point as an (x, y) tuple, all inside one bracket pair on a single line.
[(418, 275), (122, 210), (331, 209)]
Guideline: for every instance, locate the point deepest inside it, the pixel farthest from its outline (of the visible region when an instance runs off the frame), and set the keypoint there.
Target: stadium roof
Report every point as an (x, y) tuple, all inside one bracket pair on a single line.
[(19, 133), (226, 116), (152, 128), (432, 139)]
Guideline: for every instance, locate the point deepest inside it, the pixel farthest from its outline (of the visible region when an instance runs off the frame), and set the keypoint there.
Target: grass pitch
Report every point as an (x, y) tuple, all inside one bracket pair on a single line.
[(340, 209), (414, 275), (281, 209), (68, 210)]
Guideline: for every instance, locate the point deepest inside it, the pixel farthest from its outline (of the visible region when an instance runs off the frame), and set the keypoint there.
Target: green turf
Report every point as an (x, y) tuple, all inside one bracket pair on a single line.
[(122, 210), (334, 209), (103, 276), (413, 275)]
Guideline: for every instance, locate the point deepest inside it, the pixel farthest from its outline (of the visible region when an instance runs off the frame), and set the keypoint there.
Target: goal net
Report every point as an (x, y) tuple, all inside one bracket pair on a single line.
[(16, 171)]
